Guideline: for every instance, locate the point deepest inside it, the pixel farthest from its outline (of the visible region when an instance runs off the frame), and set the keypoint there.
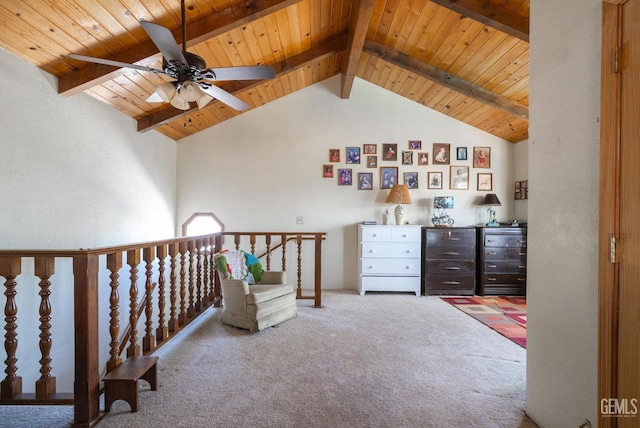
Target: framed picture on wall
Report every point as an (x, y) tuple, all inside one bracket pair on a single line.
[(411, 180), (365, 181), (441, 154), (459, 177), (423, 158), (353, 155), (407, 157), (345, 177), (415, 145), (327, 171), (434, 180), (482, 157), (485, 181), (369, 149), (390, 152), (372, 161), (461, 153), (334, 155), (388, 177)]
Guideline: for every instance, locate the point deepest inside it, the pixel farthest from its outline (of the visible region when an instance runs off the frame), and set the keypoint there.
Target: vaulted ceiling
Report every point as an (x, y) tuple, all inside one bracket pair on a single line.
[(468, 59)]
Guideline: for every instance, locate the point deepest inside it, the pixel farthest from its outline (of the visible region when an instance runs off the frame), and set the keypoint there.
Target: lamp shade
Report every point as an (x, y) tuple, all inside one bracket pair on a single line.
[(190, 91), (166, 91), (491, 199), (180, 103), (399, 195)]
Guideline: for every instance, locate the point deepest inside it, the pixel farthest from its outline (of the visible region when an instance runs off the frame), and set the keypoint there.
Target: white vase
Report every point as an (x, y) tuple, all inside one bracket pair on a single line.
[(399, 214)]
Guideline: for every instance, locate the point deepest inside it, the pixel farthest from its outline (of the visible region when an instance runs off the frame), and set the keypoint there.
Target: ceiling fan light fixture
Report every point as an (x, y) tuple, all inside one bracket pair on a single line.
[(166, 91), (190, 91), (180, 103), (203, 100)]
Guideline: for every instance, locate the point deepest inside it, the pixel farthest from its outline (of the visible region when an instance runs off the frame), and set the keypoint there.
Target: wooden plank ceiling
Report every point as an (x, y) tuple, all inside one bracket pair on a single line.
[(468, 59)]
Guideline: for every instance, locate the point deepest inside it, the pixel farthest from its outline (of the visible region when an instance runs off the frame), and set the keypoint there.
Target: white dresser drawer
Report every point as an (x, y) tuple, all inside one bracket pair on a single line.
[(391, 283), (376, 234), (406, 234), (390, 266), (391, 250)]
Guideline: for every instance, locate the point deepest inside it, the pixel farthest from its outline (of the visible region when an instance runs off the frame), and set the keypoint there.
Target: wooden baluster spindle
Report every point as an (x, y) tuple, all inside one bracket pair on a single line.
[(133, 260), (174, 324), (162, 332), (149, 339), (192, 256), (199, 253), (236, 240), (46, 385), (182, 317), (11, 386), (299, 245), (114, 263), (283, 240), (267, 240), (252, 243)]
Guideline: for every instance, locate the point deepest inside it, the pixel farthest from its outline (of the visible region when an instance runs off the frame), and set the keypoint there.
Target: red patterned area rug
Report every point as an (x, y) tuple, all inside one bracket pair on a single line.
[(505, 314)]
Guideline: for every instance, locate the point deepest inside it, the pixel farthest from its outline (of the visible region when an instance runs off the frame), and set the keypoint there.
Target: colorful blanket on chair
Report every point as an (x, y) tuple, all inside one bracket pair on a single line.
[(238, 264)]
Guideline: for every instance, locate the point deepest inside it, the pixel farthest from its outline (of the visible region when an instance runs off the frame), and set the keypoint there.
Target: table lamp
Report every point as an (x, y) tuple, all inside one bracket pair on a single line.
[(491, 200), (399, 195)]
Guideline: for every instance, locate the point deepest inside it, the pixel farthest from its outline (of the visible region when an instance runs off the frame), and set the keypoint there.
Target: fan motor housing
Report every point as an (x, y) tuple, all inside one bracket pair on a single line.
[(177, 70)]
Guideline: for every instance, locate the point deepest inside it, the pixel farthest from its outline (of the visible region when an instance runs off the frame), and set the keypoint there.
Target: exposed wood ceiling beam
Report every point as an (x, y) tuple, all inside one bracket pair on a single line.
[(360, 17), (483, 11), (168, 113), (211, 26), (445, 79)]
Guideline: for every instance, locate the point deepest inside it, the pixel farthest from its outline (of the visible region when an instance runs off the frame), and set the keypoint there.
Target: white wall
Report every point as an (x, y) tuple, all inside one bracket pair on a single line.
[(75, 173), (563, 212), (261, 170)]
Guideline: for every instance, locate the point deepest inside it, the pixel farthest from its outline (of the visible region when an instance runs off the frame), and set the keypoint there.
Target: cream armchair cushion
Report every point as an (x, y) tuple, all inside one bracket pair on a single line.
[(256, 307)]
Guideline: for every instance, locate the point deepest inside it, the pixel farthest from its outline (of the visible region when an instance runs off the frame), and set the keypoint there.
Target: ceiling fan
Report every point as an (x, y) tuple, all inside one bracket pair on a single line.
[(192, 79)]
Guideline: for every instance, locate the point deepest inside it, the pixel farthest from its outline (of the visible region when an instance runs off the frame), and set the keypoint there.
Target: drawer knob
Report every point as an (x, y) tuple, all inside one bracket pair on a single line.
[(371, 251), (452, 253), (522, 267), (491, 279), (491, 266), (451, 282), (409, 251), (452, 268), (375, 235)]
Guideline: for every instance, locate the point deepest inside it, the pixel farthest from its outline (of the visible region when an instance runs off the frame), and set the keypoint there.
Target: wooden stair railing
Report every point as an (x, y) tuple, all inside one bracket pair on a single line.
[(182, 271)]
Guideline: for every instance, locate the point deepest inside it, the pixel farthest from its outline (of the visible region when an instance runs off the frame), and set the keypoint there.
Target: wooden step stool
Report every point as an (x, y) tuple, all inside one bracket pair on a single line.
[(121, 383)]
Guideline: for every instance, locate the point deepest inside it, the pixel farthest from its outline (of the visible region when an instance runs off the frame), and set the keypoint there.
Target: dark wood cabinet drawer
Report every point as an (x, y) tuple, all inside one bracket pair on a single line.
[(505, 266), (450, 253), (503, 278), (497, 253), (450, 267), (506, 240), (450, 237), (443, 284)]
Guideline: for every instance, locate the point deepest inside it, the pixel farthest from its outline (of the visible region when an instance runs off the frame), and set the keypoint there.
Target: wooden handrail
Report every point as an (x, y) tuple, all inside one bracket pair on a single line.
[(186, 281)]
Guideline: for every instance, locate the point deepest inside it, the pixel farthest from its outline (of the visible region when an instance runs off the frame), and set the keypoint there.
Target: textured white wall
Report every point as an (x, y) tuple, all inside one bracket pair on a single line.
[(262, 169), (563, 212), (75, 173)]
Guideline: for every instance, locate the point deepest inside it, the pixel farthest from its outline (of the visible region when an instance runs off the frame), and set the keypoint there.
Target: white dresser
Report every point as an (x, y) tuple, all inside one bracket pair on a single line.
[(389, 258)]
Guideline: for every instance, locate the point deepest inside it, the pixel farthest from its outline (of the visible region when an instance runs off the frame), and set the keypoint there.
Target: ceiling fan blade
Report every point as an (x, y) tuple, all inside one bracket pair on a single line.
[(224, 96), (164, 40), (115, 63), (256, 72)]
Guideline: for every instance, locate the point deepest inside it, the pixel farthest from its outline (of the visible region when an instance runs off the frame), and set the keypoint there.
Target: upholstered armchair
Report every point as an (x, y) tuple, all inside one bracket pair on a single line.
[(253, 299)]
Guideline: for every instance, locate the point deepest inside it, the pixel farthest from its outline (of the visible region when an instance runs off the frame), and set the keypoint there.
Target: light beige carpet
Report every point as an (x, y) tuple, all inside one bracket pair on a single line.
[(379, 360)]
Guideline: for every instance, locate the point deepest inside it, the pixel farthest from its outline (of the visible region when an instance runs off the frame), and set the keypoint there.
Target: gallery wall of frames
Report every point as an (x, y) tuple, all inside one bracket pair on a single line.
[(376, 166)]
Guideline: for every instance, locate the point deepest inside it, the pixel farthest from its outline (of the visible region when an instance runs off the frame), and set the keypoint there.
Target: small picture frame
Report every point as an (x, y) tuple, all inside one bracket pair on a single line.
[(521, 190), (482, 157), (441, 154), (388, 177), (372, 161), (443, 202), (345, 177), (461, 153), (485, 181), (334, 155), (327, 171), (434, 180), (369, 149), (458, 177), (390, 152), (407, 157), (423, 158), (365, 181), (353, 155), (411, 180), (415, 145)]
